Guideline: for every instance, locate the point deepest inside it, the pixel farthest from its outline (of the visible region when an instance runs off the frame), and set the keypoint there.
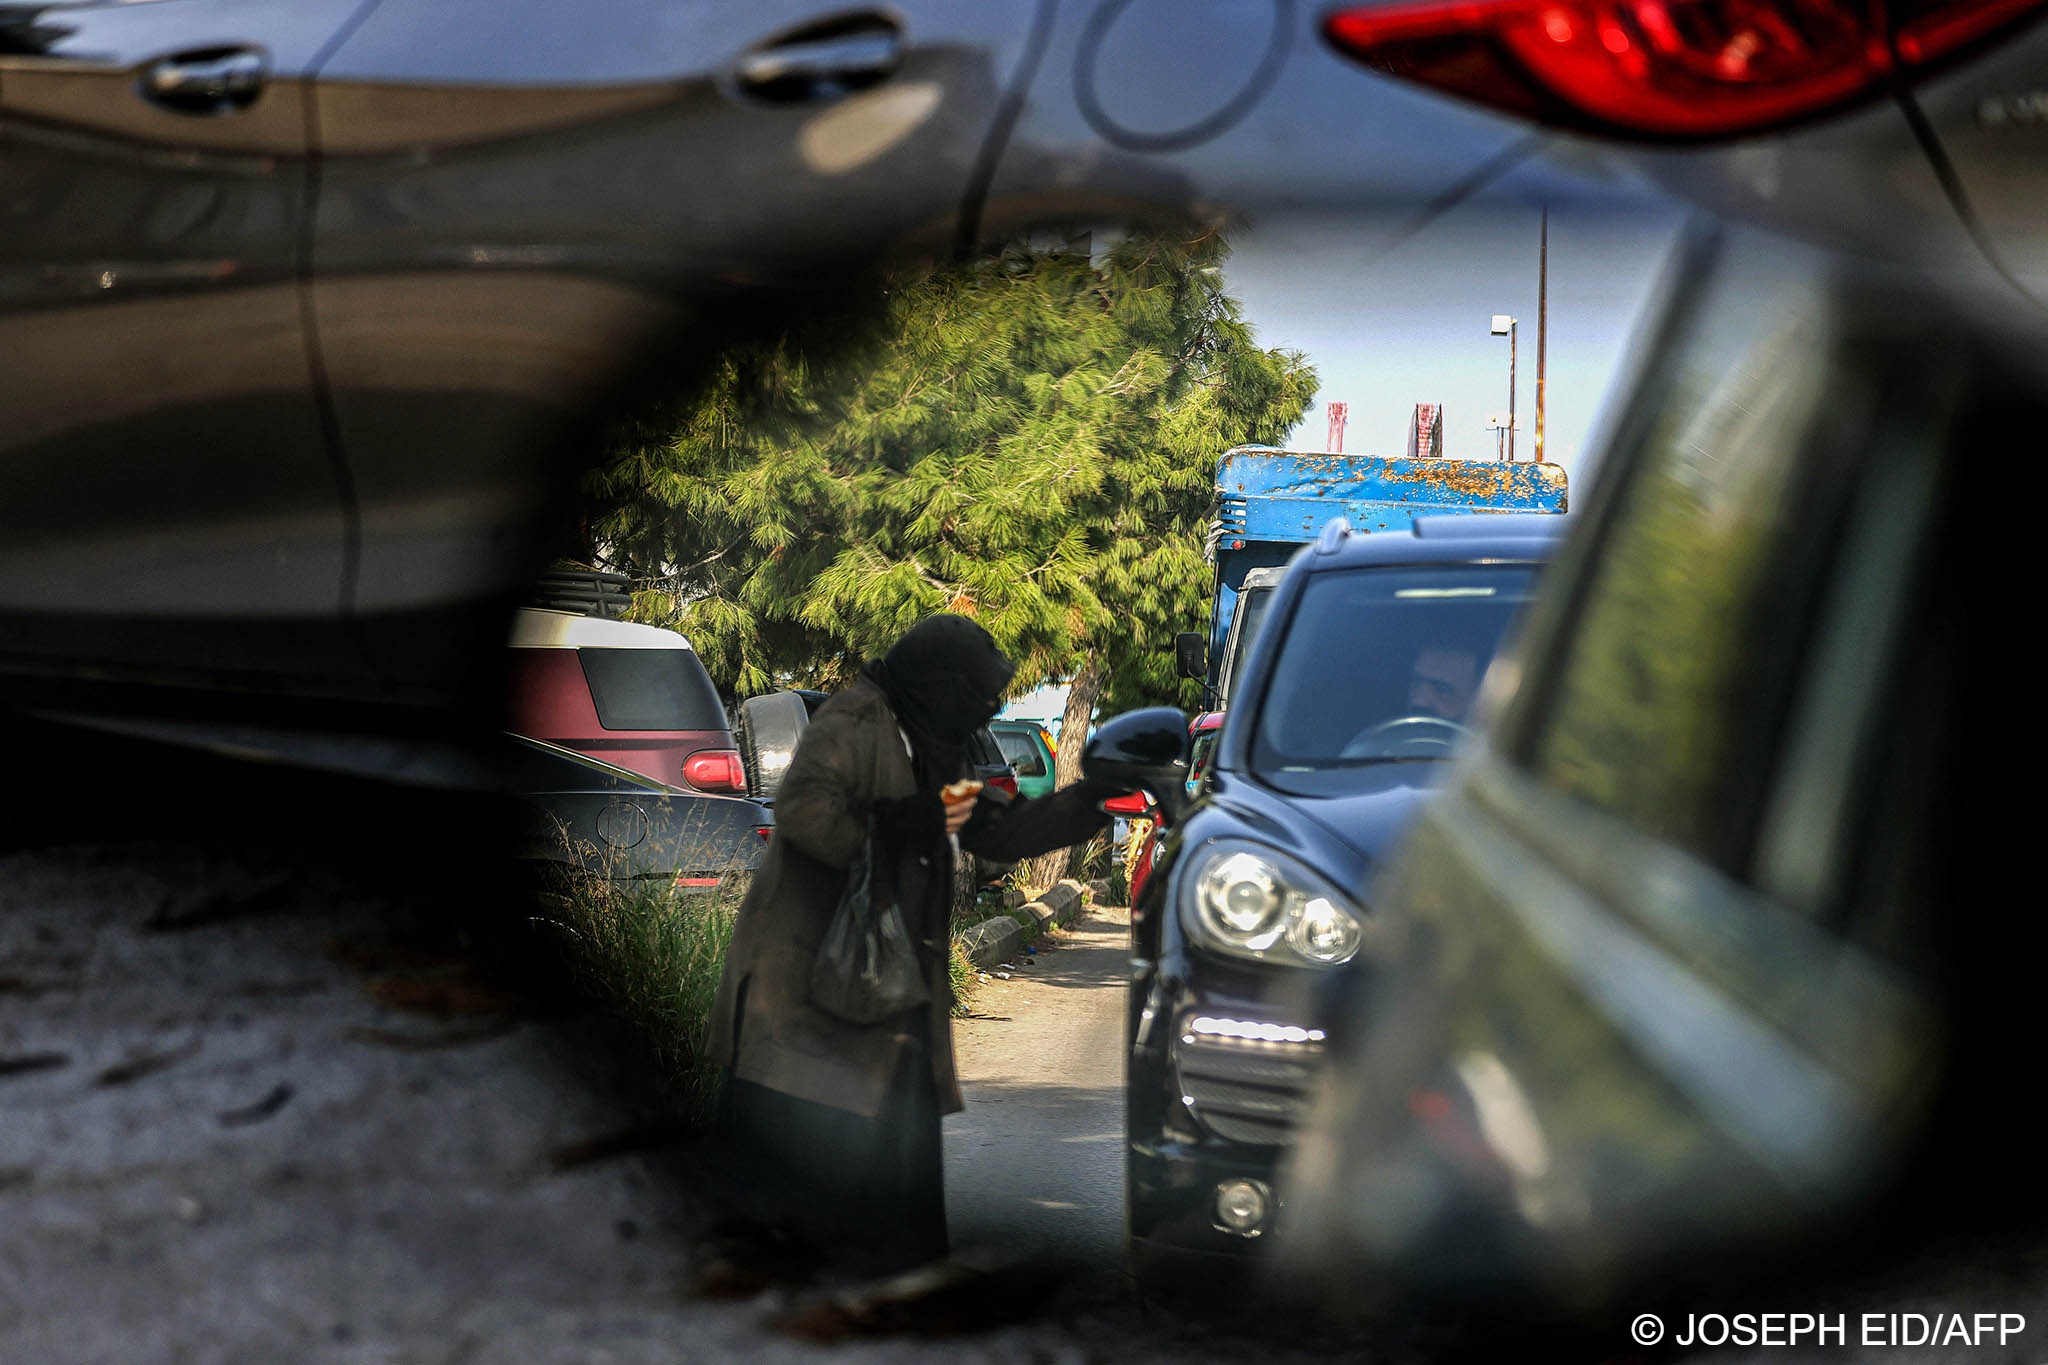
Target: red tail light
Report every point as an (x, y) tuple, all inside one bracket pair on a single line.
[(682, 880), (1007, 782), (1664, 69), (765, 831), (715, 770), (1136, 803)]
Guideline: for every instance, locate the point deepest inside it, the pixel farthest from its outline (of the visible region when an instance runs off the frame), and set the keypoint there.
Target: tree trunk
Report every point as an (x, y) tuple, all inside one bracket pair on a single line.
[(1082, 695)]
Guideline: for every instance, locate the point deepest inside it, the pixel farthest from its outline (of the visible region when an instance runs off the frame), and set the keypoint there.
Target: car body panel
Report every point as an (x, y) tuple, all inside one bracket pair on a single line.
[(1155, 109), (516, 206), (596, 818), (156, 344), (346, 399), (1681, 960)]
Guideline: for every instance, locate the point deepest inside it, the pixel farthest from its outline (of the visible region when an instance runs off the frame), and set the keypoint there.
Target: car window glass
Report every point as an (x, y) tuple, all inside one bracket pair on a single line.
[(651, 689), (1685, 634), (1021, 752), (534, 768), (983, 751), (1377, 666), (1244, 632)]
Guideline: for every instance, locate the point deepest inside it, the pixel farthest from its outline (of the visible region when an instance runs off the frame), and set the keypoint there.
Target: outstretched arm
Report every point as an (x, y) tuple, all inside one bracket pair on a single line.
[(1025, 828)]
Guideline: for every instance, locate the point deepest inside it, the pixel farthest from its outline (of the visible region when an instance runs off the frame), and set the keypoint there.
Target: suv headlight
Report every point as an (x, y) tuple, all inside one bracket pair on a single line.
[(1258, 903)]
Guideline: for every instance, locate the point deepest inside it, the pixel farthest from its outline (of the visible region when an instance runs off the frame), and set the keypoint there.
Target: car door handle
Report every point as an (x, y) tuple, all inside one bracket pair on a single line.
[(216, 81), (801, 69)]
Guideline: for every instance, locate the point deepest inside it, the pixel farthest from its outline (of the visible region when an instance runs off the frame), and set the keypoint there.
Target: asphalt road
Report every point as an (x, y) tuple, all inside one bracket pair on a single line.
[(1034, 1163)]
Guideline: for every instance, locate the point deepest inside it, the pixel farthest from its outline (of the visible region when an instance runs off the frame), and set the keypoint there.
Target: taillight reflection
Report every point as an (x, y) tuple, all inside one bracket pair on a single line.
[(715, 770), (1663, 69)]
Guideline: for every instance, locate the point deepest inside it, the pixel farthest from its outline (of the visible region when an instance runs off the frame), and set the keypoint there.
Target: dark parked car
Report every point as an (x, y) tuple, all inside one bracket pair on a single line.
[(1359, 689), (593, 818), (1703, 954)]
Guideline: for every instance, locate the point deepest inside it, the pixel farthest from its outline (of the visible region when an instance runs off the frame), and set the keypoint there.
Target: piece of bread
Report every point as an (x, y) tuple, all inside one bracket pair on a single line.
[(953, 793)]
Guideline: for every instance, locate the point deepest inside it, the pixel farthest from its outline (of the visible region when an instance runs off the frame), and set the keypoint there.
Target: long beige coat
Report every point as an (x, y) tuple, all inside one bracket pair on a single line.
[(762, 1022)]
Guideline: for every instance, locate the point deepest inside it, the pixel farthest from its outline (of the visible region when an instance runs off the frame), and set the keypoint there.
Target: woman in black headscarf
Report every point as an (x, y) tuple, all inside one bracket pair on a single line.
[(839, 1122)]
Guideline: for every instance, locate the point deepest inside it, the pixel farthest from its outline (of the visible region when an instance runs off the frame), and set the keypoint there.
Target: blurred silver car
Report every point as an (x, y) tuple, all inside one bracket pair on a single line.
[(1694, 958), (303, 304), (1697, 960)]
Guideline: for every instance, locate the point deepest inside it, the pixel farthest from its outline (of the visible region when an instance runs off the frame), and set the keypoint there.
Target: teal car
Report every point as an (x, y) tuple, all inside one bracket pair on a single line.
[(1030, 751)]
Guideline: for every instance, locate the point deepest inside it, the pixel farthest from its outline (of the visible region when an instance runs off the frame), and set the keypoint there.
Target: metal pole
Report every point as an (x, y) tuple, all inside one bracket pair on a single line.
[(1542, 321), (1511, 393)]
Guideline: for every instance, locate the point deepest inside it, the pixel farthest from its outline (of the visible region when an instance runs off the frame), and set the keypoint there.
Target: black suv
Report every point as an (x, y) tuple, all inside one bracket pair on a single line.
[(1360, 685)]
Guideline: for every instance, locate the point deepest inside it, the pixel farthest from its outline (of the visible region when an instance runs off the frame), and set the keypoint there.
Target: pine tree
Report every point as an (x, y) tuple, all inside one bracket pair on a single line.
[(1029, 439)]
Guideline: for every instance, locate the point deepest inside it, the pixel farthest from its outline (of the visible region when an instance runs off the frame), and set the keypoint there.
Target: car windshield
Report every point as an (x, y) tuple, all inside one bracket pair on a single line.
[(1379, 666)]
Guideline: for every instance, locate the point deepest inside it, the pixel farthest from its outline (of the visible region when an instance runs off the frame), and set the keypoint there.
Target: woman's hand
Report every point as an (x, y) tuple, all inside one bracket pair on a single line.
[(958, 812)]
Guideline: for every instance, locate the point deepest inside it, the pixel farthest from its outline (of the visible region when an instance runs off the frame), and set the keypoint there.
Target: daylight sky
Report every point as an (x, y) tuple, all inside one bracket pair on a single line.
[(1392, 325)]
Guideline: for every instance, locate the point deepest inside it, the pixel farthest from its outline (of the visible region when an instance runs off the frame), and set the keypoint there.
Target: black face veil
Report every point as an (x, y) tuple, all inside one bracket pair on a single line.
[(945, 679)]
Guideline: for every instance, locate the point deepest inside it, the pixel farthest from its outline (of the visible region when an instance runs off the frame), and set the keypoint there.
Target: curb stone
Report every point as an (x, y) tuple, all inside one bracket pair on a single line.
[(994, 939)]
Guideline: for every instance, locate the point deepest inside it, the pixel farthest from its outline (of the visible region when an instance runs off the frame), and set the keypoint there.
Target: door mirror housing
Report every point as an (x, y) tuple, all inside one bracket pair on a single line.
[(1191, 652), (1145, 750)]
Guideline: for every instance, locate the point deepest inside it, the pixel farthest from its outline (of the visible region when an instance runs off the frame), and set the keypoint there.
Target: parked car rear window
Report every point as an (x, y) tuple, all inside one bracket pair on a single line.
[(1022, 752), (651, 689), (1359, 646)]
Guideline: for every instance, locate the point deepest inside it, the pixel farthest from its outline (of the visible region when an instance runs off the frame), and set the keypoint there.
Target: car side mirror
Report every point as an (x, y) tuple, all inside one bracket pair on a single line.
[(1144, 750), (1191, 652)]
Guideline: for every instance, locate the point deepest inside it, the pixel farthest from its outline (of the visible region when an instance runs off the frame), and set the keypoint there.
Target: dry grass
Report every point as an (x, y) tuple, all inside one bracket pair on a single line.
[(651, 958)]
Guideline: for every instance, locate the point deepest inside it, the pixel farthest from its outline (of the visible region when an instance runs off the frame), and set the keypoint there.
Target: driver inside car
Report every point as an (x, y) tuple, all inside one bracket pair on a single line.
[(1443, 682)]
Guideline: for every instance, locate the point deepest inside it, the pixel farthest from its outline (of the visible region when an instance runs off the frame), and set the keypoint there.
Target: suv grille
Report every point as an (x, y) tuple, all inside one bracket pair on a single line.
[(1246, 1091)]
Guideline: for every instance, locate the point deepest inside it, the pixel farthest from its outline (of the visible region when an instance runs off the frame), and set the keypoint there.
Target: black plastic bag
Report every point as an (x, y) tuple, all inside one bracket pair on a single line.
[(866, 969)]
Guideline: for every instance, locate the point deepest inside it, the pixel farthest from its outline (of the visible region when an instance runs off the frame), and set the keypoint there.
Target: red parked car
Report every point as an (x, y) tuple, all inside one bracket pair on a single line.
[(1202, 731), (635, 696)]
